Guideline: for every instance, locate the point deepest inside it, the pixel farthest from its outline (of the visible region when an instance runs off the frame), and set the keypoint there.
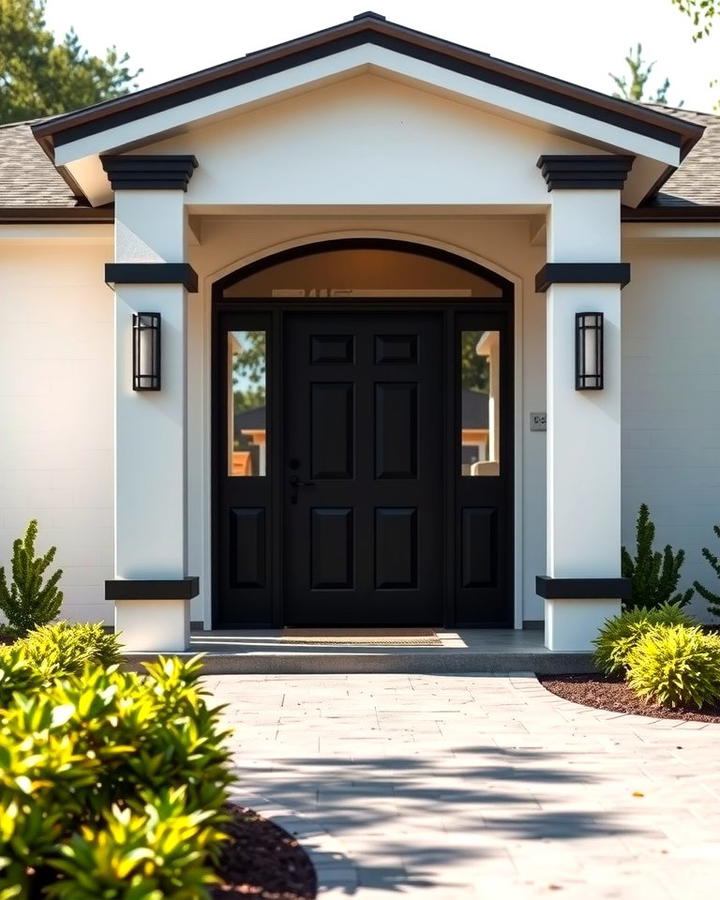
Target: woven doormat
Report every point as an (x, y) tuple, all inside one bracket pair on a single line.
[(386, 637)]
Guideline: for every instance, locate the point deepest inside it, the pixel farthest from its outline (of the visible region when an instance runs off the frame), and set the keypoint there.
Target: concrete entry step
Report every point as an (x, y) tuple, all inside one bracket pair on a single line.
[(466, 650)]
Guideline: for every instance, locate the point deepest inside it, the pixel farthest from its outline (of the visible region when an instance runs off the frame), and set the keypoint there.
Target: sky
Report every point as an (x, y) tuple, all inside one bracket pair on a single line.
[(571, 39)]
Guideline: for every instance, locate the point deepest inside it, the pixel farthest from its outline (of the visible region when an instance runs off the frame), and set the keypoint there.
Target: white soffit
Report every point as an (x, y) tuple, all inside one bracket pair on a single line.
[(80, 157)]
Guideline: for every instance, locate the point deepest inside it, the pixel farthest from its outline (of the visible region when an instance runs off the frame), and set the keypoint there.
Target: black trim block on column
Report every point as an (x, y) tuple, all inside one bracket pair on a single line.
[(582, 588), (582, 273), (152, 588), (585, 171), (149, 172), (152, 273)]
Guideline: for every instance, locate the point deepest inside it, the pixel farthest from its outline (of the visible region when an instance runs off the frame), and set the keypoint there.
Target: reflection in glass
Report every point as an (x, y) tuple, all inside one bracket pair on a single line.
[(479, 402), (247, 429)]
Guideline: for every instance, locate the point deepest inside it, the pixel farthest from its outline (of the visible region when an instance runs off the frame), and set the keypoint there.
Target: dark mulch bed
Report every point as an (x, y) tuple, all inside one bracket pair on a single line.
[(263, 861), (613, 694)]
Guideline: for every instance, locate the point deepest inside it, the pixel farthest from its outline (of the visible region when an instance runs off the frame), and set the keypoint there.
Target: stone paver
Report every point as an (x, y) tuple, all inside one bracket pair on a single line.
[(445, 786)]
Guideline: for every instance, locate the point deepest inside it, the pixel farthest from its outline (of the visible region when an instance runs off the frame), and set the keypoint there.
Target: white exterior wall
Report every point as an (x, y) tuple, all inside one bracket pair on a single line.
[(56, 403), (671, 397), (56, 386)]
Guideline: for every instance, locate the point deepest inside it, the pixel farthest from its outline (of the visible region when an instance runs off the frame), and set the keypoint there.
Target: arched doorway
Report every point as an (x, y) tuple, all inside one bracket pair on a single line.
[(362, 439)]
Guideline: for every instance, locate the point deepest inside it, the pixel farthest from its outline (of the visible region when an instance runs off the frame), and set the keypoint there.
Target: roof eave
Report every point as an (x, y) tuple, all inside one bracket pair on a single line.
[(688, 133), (689, 214), (56, 215)]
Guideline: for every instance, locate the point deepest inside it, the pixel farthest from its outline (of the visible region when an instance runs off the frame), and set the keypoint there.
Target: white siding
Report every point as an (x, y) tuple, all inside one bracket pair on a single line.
[(671, 396), (56, 407)]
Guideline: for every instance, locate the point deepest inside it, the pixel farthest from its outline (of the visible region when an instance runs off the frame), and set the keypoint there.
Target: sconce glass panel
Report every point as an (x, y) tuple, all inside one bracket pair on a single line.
[(146, 351), (589, 351)]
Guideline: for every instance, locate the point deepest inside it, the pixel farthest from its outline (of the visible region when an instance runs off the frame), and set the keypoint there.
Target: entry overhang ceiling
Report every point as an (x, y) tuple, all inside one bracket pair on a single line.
[(368, 43)]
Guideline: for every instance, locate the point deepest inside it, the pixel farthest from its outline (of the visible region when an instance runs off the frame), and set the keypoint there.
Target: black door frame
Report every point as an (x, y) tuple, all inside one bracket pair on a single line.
[(273, 311)]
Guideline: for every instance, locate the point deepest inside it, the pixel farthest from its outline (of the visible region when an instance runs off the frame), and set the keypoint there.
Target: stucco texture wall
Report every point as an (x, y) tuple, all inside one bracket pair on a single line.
[(671, 396), (56, 408)]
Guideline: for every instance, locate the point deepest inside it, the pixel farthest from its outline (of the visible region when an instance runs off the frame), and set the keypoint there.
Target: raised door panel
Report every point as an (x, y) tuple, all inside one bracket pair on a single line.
[(247, 547), (331, 548), (396, 430), (396, 562), (331, 430), (479, 546)]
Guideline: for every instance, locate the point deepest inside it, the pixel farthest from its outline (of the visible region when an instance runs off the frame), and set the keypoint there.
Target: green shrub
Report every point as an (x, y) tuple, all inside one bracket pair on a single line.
[(676, 666), (654, 575), (160, 854), (619, 635), (79, 745), (712, 597), (29, 601), (17, 674), (64, 647)]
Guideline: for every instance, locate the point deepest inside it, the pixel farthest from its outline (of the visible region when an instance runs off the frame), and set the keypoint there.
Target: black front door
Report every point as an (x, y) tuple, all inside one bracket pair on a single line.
[(363, 466)]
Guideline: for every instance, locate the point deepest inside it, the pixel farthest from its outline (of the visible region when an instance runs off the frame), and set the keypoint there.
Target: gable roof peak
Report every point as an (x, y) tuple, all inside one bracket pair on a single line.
[(369, 14)]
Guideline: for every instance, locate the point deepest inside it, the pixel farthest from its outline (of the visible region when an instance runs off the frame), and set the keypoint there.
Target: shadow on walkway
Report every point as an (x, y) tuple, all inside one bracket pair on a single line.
[(413, 820)]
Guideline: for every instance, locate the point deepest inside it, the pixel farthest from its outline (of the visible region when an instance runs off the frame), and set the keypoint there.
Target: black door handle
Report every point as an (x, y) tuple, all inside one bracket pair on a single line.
[(296, 482)]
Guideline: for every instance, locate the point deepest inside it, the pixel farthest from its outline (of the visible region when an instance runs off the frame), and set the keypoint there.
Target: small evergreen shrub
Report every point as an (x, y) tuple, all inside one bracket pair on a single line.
[(132, 757), (675, 665), (29, 600), (64, 647), (712, 597), (618, 636), (654, 575)]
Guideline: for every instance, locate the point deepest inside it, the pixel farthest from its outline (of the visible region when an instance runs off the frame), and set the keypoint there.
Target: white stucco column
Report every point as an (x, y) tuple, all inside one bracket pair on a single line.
[(582, 586), (151, 589)]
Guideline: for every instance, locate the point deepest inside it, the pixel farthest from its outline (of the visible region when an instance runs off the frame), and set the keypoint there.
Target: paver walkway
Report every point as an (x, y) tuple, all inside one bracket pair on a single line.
[(477, 786)]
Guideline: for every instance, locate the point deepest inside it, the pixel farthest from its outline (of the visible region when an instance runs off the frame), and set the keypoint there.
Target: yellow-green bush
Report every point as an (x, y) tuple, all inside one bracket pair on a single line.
[(64, 647), (80, 751), (676, 665), (159, 854), (618, 636)]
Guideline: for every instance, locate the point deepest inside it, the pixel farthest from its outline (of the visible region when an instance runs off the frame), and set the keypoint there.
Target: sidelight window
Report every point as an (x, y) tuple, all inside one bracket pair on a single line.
[(247, 403), (479, 403)]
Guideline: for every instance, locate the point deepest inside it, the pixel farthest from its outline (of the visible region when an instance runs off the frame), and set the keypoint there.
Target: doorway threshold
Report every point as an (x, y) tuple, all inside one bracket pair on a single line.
[(468, 650)]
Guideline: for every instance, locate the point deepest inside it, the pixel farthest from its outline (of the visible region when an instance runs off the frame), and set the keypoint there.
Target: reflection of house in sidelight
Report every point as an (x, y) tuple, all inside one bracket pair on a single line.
[(249, 425), (479, 408)]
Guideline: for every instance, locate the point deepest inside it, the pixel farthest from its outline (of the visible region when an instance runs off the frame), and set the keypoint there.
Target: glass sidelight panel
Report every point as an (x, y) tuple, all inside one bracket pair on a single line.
[(247, 403), (479, 403)]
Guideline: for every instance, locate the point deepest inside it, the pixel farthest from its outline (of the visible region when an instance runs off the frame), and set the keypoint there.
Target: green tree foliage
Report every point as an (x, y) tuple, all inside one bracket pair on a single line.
[(654, 575), (29, 600), (474, 369), (249, 371), (633, 85), (40, 76), (712, 597), (702, 13)]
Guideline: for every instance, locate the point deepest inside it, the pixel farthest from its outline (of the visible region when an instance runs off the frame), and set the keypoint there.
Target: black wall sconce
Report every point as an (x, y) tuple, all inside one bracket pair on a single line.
[(146, 351), (589, 351)]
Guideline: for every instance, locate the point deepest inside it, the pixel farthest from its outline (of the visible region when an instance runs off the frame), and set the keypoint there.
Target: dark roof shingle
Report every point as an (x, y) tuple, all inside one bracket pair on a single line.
[(697, 181), (27, 177)]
